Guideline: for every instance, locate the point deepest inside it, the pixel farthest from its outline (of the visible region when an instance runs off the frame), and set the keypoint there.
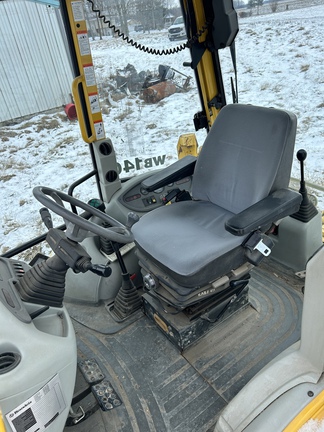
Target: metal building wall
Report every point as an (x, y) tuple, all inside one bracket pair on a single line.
[(35, 73)]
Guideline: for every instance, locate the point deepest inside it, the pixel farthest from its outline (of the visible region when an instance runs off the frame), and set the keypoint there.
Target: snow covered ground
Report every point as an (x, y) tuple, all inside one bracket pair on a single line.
[(280, 63)]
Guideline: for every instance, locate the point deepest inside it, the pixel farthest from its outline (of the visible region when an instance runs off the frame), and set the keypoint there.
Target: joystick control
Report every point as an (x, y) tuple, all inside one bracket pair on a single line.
[(307, 209)]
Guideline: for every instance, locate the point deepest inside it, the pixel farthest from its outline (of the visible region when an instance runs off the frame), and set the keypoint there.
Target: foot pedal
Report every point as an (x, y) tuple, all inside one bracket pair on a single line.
[(91, 371), (106, 396)]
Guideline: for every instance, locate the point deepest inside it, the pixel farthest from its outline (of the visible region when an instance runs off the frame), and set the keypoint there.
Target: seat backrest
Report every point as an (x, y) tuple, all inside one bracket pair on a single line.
[(247, 154)]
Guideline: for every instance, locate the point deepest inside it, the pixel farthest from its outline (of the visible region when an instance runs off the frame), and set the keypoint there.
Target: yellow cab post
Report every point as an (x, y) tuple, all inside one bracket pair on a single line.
[(86, 99)]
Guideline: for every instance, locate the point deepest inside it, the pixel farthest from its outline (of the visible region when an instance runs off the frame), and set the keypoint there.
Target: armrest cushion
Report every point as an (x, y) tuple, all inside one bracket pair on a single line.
[(180, 169), (274, 207)]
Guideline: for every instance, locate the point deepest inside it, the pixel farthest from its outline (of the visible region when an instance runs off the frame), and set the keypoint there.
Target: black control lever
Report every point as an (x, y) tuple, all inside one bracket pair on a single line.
[(307, 209), (132, 218), (73, 254), (169, 197), (46, 217), (100, 270)]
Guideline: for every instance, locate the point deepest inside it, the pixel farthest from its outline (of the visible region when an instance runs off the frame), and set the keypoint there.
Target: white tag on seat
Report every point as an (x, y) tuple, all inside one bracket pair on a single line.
[(262, 248)]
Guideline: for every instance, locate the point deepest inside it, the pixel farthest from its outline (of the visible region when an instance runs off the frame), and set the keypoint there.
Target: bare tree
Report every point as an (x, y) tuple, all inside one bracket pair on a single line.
[(238, 4), (255, 3), (259, 3), (150, 13), (274, 5), (251, 4)]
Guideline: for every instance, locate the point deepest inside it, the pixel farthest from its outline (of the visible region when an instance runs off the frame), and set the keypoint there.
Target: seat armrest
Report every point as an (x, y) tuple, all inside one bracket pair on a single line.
[(180, 169), (274, 207)]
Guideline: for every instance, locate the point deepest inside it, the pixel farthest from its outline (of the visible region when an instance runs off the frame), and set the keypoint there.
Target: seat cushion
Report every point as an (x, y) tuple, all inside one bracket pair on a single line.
[(187, 238)]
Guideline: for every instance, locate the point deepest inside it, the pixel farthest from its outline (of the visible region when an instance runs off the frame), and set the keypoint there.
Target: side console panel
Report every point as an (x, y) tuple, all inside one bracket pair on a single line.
[(37, 358)]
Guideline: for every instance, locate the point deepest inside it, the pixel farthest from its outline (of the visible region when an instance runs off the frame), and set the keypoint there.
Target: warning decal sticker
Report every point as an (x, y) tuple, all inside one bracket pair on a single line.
[(39, 411), (99, 128), (94, 102), (77, 9), (89, 75), (84, 44)]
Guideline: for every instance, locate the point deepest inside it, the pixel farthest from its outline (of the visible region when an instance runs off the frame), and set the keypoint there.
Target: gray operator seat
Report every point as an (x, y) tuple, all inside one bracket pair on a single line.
[(191, 250)]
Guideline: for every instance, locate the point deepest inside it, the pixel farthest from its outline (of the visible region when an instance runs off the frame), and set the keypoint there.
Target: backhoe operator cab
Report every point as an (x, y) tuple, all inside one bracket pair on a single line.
[(156, 301)]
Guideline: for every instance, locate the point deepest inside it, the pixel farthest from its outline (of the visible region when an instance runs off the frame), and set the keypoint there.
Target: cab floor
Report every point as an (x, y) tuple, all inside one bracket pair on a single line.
[(163, 390)]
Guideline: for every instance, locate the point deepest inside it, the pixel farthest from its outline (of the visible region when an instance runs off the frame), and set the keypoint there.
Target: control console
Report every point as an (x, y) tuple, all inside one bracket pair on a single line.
[(140, 199)]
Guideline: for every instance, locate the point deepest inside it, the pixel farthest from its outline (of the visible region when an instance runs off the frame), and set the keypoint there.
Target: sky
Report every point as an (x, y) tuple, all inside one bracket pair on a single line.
[(280, 63)]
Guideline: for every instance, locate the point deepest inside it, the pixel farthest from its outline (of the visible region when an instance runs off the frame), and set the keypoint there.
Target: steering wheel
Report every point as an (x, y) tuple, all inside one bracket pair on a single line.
[(79, 228)]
